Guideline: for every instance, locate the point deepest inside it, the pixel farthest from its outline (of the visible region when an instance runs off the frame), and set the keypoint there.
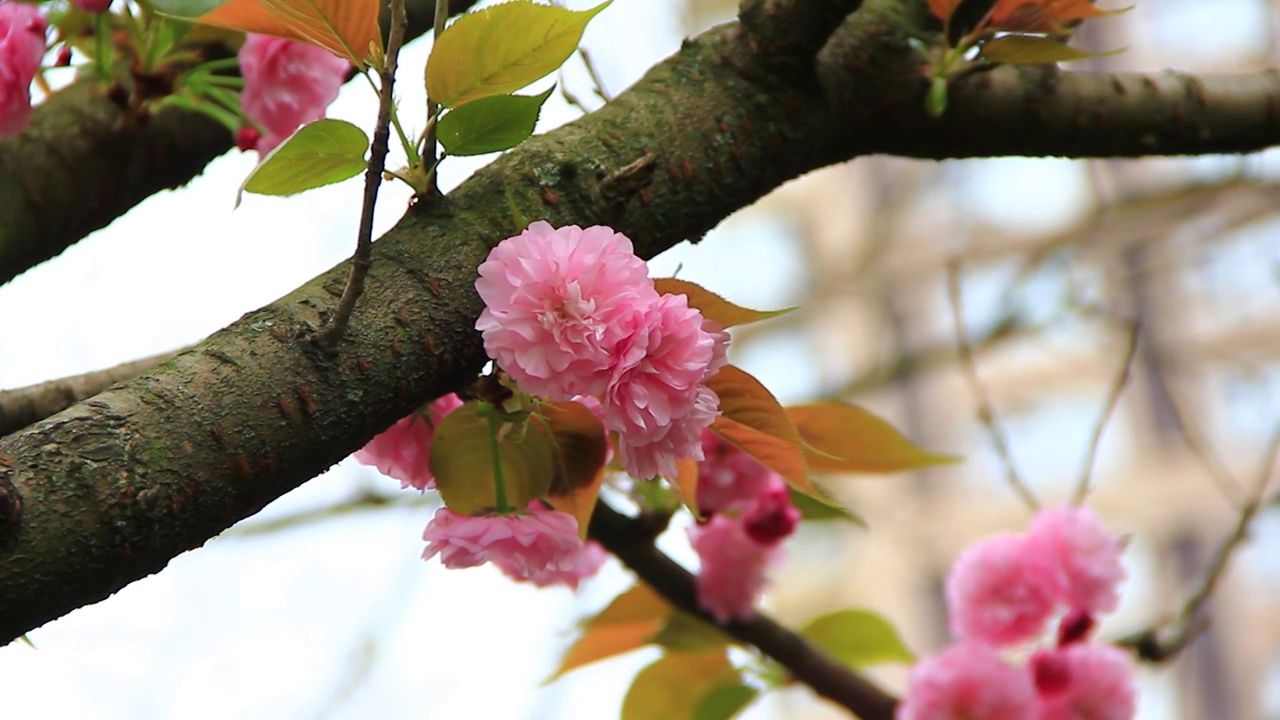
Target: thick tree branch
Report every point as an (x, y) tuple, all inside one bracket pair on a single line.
[(791, 32), (20, 407), (627, 539), (84, 162)]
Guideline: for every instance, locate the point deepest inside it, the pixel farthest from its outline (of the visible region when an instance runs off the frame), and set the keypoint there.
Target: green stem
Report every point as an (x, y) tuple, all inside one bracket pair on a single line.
[(499, 485), (101, 50)]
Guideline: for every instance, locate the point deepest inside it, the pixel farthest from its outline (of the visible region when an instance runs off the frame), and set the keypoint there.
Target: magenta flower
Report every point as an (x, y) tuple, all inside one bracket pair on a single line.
[(733, 567), (1083, 680), (728, 478), (22, 46), (967, 681), (403, 451), (286, 84), (771, 517), (656, 401), (93, 6), (525, 545), (1086, 553), (557, 303), (1002, 590)]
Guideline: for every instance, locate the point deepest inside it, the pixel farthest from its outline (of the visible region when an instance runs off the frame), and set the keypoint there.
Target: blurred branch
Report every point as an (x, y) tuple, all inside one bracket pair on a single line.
[(631, 540), (1166, 639), (986, 412), (1108, 407), (23, 406), (365, 501), (791, 32)]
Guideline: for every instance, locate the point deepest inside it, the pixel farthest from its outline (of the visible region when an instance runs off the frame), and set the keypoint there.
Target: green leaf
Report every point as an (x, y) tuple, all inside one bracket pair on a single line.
[(461, 460), (724, 702), (712, 306), (684, 631), (500, 49), (490, 124), (1035, 50), (628, 623), (814, 509), (675, 684), (843, 437), (857, 638), (320, 153)]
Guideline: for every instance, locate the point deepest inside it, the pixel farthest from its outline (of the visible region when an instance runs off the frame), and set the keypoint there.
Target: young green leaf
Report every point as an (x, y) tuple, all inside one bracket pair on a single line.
[(462, 462), (500, 49), (320, 153), (684, 631), (490, 124), (844, 437), (724, 702), (628, 623), (817, 510), (674, 685), (857, 638), (1035, 50), (712, 306)]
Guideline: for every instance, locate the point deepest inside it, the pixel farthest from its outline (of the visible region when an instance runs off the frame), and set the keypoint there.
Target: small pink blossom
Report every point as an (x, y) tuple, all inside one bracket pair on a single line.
[(967, 681), (656, 400), (728, 478), (525, 545), (1084, 681), (771, 517), (557, 302), (286, 84), (403, 451), (22, 46), (568, 569), (1001, 591), (733, 567), (1087, 554), (93, 6)]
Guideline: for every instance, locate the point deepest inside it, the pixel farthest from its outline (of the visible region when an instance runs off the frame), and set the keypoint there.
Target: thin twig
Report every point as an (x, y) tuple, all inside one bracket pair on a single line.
[(332, 334), (431, 150), (598, 83), (986, 413), (1217, 471), (1167, 639), (632, 542), (1108, 407)]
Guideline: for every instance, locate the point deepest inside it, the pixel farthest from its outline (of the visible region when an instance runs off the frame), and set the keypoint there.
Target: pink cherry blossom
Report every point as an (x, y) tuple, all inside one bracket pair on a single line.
[(1001, 590), (771, 517), (1083, 681), (569, 569), (656, 400), (286, 84), (728, 478), (22, 46), (557, 302), (525, 545), (1087, 554), (403, 451), (733, 567), (967, 681)]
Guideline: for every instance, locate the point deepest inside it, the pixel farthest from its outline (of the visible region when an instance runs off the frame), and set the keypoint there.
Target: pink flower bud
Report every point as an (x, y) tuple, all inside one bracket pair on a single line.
[(93, 6), (22, 45), (772, 517)]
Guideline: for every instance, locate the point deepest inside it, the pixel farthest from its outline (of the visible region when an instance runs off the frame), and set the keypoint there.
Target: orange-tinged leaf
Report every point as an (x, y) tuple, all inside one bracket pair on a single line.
[(849, 438), (712, 306), (629, 622), (674, 685), (744, 400), (345, 28), (579, 445), (781, 456), (1045, 16), (686, 483), (942, 9)]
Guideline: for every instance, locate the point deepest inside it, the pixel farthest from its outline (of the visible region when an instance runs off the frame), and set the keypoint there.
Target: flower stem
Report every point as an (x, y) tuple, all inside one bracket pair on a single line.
[(499, 485)]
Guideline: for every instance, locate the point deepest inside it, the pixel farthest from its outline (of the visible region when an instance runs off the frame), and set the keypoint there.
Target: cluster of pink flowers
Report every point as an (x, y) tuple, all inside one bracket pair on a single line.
[(537, 545), (750, 514), (286, 84), (22, 46), (572, 312), (1007, 590)]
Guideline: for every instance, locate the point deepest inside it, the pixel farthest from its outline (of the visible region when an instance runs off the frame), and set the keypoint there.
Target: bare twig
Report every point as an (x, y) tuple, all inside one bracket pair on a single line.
[(1167, 639), (364, 501), (431, 151), (332, 334), (630, 540), (1108, 407), (986, 413), (597, 82), (1217, 471), (23, 406)]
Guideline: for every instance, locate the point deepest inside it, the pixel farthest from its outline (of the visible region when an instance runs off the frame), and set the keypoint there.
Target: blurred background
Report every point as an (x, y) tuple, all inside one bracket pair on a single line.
[(320, 607)]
